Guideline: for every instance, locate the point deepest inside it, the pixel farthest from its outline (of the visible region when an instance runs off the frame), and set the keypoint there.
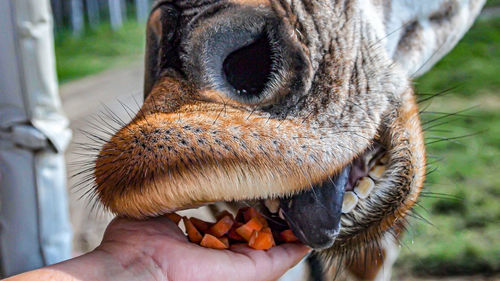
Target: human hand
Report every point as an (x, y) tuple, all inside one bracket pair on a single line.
[(156, 249), (161, 247)]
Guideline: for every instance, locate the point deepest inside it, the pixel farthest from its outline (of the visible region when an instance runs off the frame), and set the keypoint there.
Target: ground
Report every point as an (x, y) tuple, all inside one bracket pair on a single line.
[(459, 234)]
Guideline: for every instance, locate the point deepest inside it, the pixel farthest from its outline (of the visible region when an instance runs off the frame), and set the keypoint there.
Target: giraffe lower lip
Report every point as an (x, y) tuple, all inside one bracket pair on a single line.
[(314, 215)]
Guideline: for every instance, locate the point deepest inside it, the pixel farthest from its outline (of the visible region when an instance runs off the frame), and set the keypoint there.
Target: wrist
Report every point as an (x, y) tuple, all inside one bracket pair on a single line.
[(121, 263), (102, 265), (90, 266), (95, 265)]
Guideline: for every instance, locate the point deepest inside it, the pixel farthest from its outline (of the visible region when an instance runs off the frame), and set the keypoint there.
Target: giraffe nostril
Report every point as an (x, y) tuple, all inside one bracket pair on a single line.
[(249, 68)]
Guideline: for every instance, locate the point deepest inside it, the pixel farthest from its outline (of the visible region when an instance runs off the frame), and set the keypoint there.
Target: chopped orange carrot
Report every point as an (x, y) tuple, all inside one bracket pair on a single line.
[(210, 241), (266, 230), (288, 237), (203, 226), (253, 213), (193, 234), (174, 217), (233, 235), (262, 240), (222, 226), (250, 213), (253, 237), (248, 228)]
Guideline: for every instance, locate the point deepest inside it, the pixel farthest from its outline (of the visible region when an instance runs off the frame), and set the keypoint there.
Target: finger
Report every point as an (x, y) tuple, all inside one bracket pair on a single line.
[(285, 257), (275, 262), (241, 248), (290, 249), (159, 225)]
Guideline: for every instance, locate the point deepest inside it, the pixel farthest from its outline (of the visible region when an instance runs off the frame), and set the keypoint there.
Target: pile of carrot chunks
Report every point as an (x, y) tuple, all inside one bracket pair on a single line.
[(248, 227)]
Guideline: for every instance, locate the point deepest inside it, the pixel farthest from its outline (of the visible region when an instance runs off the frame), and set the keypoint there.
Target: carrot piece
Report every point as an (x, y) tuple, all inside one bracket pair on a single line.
[(288, 237), (222, 226), (262, 240), (250, 213), (193, 234), (269, 231), (225, 240), (233, 235), (202, 225), (174, 217), (253, 213), (251, 241), (266, 230), (210, 241), (248, 228)]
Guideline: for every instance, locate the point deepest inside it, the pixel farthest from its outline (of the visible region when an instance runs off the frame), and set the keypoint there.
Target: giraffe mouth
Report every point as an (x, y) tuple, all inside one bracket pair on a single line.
[(315, 214), (200, 152)]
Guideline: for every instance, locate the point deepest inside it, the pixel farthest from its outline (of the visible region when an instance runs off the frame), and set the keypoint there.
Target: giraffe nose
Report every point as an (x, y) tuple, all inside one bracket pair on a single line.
[(246, 52), (232, 52), (247, 70)]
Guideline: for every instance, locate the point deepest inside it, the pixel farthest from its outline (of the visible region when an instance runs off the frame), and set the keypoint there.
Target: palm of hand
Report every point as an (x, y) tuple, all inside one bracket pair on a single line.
[(160, 246)]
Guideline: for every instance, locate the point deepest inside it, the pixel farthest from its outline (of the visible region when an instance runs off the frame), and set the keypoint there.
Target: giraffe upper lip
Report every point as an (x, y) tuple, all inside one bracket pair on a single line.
[(314, 215)]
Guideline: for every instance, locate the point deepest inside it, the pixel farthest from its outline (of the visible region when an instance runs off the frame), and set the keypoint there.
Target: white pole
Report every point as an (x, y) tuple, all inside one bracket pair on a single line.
[(33, 137)]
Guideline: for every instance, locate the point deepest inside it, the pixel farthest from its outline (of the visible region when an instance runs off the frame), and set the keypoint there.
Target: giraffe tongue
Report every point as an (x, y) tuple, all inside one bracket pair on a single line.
[(314, 215)]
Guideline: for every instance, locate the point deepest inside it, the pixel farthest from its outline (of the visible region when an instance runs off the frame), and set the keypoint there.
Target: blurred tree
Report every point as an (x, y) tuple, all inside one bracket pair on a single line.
[(58, 11), (141, 10), (77, 23), (123, 9), (75, 14), (93, 13), (115, 14)]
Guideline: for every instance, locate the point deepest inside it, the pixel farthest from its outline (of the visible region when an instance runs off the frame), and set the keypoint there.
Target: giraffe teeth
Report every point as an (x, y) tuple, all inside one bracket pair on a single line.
[(272, 205), (350, 201), (377, 171), (364, 187), (280, 214)]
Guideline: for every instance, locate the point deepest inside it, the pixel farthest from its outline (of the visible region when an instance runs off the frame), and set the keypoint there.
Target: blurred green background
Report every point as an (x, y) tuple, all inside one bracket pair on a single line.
[(461, 202), (464, 237)]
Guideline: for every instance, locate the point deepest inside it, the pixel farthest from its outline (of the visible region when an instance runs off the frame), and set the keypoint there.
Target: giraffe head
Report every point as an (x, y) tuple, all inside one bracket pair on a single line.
[(302, 105)]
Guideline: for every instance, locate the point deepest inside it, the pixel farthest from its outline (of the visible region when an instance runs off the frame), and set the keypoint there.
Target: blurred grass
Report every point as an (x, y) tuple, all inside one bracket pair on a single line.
[(465, 238), (473, 66), (97, 50), (492, 3)]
